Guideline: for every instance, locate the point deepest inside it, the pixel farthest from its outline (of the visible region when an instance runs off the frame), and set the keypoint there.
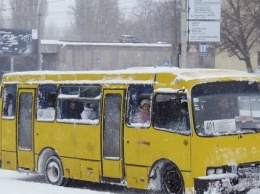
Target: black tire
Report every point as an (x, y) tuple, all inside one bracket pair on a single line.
[(171, 180), (54, 172)]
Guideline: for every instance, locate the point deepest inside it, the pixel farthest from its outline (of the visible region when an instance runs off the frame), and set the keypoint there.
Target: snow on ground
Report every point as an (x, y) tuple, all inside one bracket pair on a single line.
[(12, 182)]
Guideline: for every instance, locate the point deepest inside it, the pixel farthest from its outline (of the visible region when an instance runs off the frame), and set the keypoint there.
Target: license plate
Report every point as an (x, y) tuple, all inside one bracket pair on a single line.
[(4, 48)]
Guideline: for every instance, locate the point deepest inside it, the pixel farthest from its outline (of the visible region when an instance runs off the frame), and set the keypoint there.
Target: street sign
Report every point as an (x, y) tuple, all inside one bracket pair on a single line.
[(166, 62), (99, 59), (204, 31), (203, 49), (192, 49), (205, 9)]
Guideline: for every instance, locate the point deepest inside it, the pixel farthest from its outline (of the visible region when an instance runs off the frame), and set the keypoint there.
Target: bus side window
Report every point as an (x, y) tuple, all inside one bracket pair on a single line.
[(46, 102), (171, 113), (75, 109), (91, 96), (80, 102), (9, 97), (137, 95)]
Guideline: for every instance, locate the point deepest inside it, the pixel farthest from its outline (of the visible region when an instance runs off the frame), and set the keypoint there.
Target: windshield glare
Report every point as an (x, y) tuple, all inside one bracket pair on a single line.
[(226, 108)]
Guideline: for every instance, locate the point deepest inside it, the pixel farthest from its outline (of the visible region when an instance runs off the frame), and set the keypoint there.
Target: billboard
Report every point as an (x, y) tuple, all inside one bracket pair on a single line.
[(17, 42)]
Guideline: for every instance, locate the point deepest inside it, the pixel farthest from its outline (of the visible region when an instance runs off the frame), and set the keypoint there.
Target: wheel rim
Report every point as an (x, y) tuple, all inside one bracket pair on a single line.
[(53, 172), (173, 182)]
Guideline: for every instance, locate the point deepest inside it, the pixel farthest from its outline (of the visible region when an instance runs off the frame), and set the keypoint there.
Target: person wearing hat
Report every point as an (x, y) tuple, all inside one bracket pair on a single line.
[(143, 114)]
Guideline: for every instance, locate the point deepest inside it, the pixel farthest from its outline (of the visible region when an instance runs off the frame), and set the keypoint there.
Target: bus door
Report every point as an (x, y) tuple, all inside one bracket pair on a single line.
[(112, 161), (25, 151)]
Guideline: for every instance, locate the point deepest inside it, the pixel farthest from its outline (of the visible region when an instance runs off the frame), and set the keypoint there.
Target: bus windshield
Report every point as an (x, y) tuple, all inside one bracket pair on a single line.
[(226, 108)]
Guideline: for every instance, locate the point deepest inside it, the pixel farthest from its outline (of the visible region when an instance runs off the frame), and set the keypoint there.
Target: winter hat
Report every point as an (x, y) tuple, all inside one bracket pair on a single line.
[(145, 101)]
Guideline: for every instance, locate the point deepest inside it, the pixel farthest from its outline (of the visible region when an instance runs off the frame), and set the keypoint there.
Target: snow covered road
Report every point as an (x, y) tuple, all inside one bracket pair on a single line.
[(12, 182)]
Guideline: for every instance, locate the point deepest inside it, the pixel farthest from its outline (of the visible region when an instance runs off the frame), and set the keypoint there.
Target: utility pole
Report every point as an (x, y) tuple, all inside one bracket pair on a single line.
[(175, 53), (2, 8), (39, 14), (184, 34)]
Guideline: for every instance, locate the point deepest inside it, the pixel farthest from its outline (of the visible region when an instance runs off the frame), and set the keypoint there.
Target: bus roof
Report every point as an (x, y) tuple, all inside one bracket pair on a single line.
[(126, 76)]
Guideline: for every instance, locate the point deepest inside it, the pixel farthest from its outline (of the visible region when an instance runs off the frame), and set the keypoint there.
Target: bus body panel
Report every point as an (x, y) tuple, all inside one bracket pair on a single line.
[(91, 170), (9, 134), (79, 142), (9, 160), (142, 148), (71, 168), (224, 150), (136, 176), (144, 144)]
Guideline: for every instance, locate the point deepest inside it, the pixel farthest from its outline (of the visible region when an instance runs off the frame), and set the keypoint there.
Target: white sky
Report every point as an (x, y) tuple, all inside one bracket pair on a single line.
[(12, 182), (58, 10)]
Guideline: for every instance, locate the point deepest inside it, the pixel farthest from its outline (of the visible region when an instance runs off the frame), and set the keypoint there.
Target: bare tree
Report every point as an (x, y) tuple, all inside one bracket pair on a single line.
[(96, 20), (102, 20), (25, 12), (165, 21), (143, 14), (240, 28), (2, 9), (153, 21)]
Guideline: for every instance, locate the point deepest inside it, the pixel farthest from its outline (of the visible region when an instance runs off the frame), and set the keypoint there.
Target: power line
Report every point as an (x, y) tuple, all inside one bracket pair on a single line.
[(55, 1), (34, 4), (88, 7), (102, 6)]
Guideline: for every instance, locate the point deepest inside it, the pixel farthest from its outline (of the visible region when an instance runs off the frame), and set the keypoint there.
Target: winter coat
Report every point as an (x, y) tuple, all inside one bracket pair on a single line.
[(142, 116), (89, 113), (74, 113)]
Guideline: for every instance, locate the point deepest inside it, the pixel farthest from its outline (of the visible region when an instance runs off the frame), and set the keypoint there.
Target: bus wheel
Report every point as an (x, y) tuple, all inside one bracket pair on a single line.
[(171, 180), (54, 172)]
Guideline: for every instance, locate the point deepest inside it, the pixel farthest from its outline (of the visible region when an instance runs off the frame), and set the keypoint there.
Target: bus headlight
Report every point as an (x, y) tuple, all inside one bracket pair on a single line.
[(210, 171), (215, 170), (219, 170)]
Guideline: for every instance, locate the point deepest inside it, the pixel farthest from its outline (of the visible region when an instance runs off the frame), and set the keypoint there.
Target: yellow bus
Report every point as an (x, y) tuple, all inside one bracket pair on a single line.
[(199, 131)]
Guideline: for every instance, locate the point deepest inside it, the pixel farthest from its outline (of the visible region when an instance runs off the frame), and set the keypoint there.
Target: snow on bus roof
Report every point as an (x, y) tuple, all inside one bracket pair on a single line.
[(196, 73), (94, 77), (180, 73)]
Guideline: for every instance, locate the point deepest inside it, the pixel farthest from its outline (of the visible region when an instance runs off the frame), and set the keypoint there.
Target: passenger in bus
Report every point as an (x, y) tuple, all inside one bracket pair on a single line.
[(74, 110), (143, 112), (50, 103), (223, 109), (89, 111), (184, 122), (8, 110)]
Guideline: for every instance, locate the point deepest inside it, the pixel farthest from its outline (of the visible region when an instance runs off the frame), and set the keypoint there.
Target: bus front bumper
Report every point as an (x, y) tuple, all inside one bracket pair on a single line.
[(225, 183)]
